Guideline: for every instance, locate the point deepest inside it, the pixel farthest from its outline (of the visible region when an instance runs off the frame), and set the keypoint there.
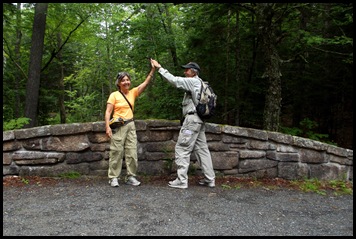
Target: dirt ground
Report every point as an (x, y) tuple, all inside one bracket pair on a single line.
[(89, 206)]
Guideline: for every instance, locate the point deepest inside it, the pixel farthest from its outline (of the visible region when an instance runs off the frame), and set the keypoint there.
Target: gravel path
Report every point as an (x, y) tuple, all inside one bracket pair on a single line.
[(91, 207)]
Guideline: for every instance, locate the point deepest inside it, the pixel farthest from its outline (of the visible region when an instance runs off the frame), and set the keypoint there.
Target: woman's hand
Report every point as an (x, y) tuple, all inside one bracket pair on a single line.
[(155, 63), (109, 132)]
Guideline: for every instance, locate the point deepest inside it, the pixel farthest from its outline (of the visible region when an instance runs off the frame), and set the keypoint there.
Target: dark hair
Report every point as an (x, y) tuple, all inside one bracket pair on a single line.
[(119, 77)]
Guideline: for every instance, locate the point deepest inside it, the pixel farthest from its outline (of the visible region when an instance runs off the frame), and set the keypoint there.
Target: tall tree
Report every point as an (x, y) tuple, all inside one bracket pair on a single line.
[(267, 25), (61, 105), (34, 72), (317, 38), (237, 64), (18, 57)]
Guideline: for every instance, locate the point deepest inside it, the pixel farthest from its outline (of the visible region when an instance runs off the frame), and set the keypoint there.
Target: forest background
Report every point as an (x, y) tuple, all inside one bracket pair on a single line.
[(285, 67)]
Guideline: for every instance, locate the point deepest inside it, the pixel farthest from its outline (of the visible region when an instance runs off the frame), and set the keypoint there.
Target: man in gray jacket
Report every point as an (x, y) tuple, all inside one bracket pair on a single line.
[(192, 133)]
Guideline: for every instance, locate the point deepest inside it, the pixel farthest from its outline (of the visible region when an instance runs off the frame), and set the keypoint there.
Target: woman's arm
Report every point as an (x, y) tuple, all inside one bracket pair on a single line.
[(109, 109), (144, 84)]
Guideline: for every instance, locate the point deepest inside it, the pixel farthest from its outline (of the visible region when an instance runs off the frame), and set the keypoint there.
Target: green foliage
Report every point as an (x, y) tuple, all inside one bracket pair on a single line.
[(87, 44), (83, 108), (312, 185), (315, 185), (25, 181), (322, 187), (306, 130), (71, 175), (15, 123), (340, 187), (154, 103), (225, 186)]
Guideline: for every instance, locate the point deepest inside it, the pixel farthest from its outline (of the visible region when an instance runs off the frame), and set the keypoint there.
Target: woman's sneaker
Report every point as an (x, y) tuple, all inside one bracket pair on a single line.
[(177, 184), (133, 181), (114, 182), (207, 183)]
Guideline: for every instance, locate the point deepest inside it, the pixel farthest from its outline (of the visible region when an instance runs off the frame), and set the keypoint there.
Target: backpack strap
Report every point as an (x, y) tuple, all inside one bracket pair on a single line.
[(126, 100), (201, 90)]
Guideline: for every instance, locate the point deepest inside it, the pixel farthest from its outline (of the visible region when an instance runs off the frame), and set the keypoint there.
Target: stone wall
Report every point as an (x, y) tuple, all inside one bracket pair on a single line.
[(52, 150)]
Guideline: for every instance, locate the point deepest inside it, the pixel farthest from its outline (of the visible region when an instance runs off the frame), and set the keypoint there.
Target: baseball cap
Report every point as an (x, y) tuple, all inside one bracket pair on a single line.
[(191, 65)]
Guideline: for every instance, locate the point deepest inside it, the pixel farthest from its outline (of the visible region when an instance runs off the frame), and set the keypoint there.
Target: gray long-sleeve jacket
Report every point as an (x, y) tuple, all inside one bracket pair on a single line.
[(191, 86)]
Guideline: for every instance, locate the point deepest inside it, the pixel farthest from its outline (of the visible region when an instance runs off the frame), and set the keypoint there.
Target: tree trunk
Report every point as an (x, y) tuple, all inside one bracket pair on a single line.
[(18, 60), (167, 25), (238, 68), (34, 72), (62, 109), (272, 110), (227, 52)]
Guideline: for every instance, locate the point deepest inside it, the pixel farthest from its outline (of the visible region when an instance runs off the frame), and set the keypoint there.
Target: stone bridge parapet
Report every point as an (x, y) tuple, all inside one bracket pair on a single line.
[(52, 150)]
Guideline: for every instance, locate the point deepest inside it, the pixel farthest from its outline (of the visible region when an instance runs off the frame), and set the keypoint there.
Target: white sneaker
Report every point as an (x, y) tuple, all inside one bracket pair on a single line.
[(177, 184), (133, 181), (207, 183), (114, 182)]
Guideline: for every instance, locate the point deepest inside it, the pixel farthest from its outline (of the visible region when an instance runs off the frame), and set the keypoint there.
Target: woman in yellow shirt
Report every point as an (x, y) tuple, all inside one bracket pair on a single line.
[(123, 138)]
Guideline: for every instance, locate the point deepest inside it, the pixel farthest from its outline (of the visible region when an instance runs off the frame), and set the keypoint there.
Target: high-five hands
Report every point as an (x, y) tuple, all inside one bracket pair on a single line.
[(155, 63)]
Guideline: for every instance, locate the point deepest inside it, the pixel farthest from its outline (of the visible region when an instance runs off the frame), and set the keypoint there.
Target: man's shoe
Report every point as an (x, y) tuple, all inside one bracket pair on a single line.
[(204, 182), (132, 181), (177, 184), (114, 182)]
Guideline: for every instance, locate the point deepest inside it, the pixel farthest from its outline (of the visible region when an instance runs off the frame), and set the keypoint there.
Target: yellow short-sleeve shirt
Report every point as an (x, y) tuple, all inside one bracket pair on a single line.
[(121, 107)]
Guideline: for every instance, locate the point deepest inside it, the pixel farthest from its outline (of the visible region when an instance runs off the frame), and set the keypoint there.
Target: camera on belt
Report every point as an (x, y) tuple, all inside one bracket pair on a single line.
[(116, 122)]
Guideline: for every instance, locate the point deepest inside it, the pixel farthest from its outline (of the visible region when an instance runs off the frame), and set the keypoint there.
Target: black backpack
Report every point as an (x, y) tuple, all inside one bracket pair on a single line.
[(206, 101)]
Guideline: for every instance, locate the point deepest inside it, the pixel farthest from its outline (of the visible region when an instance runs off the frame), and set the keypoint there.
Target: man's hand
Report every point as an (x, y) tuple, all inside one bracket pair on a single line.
[(154, 63)]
